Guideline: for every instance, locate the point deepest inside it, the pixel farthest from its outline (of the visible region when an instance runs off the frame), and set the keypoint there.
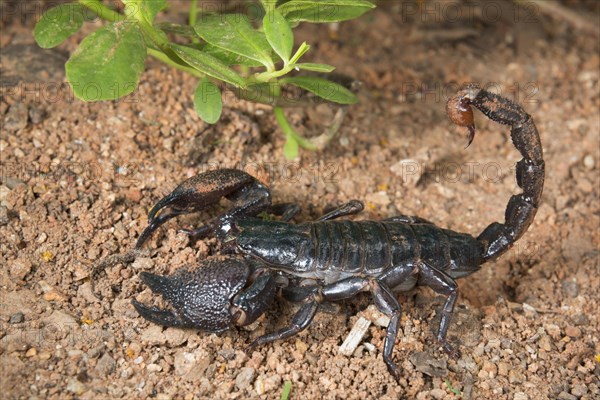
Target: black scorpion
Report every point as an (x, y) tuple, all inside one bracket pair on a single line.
[(341, 258)]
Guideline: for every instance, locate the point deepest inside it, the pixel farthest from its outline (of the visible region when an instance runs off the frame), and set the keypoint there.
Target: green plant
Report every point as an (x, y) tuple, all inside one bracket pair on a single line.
[(225, 48), (287, 388)]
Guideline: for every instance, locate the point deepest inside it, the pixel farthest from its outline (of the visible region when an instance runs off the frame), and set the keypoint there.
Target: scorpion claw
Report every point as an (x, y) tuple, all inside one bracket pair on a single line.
[(197, 233), (197, 193), (201, 298), (450, 350), (159, 316), (250, 348), (395, 371)]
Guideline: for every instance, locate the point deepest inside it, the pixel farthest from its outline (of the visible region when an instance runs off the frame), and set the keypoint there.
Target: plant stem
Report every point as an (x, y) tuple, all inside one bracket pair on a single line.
[(102, 11), (287, 128), (164, 58), (193, 12), (267, 76)]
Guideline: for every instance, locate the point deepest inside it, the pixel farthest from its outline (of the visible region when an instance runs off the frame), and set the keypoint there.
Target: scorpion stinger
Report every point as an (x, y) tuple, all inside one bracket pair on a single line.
[(338, 258)]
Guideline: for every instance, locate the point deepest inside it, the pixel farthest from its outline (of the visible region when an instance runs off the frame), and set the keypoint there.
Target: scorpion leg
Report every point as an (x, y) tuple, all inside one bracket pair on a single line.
[(350, 208), (286, 211), (445, 285), (385, 301), (300, 321), (408, 219), (248, 195)]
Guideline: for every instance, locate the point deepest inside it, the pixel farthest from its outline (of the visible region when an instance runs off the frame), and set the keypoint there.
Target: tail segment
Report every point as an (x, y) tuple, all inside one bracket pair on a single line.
[(521, 208)]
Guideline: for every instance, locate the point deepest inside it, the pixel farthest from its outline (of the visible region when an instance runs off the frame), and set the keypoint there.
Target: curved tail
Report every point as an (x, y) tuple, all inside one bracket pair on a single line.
[(497, 238)]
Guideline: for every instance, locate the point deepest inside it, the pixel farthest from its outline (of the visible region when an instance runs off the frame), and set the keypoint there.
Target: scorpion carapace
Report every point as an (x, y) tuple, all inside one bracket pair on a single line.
[(338, 258)]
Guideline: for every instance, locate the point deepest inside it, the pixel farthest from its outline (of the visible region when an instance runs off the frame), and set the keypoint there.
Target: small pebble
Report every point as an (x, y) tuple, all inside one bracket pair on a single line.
[(76, 387), (153, 368), (259, 386), (520, 396), (409, 171), (573, 331), (529, 310), (570, 287), (31, 352), (301, 346), (245, 377), (503, 368), (428, 364), (227, 354), (20, 268), (553, 330), (515, 376), (580, 319), (16, 318), (4, 218), (127, 373), (37, 114), (135, 195), (579, 390), (589, 162), (490, 368), (16, 117), (545, 343), (566, 396), (106, 365), (437, 393), (153, 335), (175, 337), (41, 238)]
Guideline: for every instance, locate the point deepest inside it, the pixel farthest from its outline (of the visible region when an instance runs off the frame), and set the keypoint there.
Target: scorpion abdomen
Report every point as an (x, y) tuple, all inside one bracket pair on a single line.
[(332, 250)]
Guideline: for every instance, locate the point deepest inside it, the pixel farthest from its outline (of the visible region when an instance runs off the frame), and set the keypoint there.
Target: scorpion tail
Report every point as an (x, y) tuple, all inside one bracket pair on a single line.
[(521, 209)]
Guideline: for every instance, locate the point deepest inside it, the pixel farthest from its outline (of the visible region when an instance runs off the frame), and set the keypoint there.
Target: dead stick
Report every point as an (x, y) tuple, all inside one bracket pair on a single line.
[(555, 10)]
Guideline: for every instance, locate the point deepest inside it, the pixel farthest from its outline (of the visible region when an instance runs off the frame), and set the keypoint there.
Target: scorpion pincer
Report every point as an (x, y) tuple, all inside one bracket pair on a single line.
[(342, 257)]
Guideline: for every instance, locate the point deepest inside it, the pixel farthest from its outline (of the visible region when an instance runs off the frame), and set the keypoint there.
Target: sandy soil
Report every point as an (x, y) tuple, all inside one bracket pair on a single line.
[(78, 179)]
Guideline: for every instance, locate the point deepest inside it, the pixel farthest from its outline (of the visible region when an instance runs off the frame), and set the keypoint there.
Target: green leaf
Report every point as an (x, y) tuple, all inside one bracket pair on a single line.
[(268, 4), (228, 57), (324, 10), (153, 7), (57, 24), (234, 33), (108, 63), (208, 64), (143, 9), (323, 88), (302, 49), (178, 29), (264, 92), (290, 149), (207, 101), (315, 67), (279, 34)]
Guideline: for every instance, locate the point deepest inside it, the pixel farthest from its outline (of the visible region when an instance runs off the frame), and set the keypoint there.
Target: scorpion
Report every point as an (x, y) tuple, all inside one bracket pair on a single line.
[(335, 259)]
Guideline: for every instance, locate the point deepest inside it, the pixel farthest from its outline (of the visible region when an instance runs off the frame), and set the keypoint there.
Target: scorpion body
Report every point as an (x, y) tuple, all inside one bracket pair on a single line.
[(339, 258), (330, 251)]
